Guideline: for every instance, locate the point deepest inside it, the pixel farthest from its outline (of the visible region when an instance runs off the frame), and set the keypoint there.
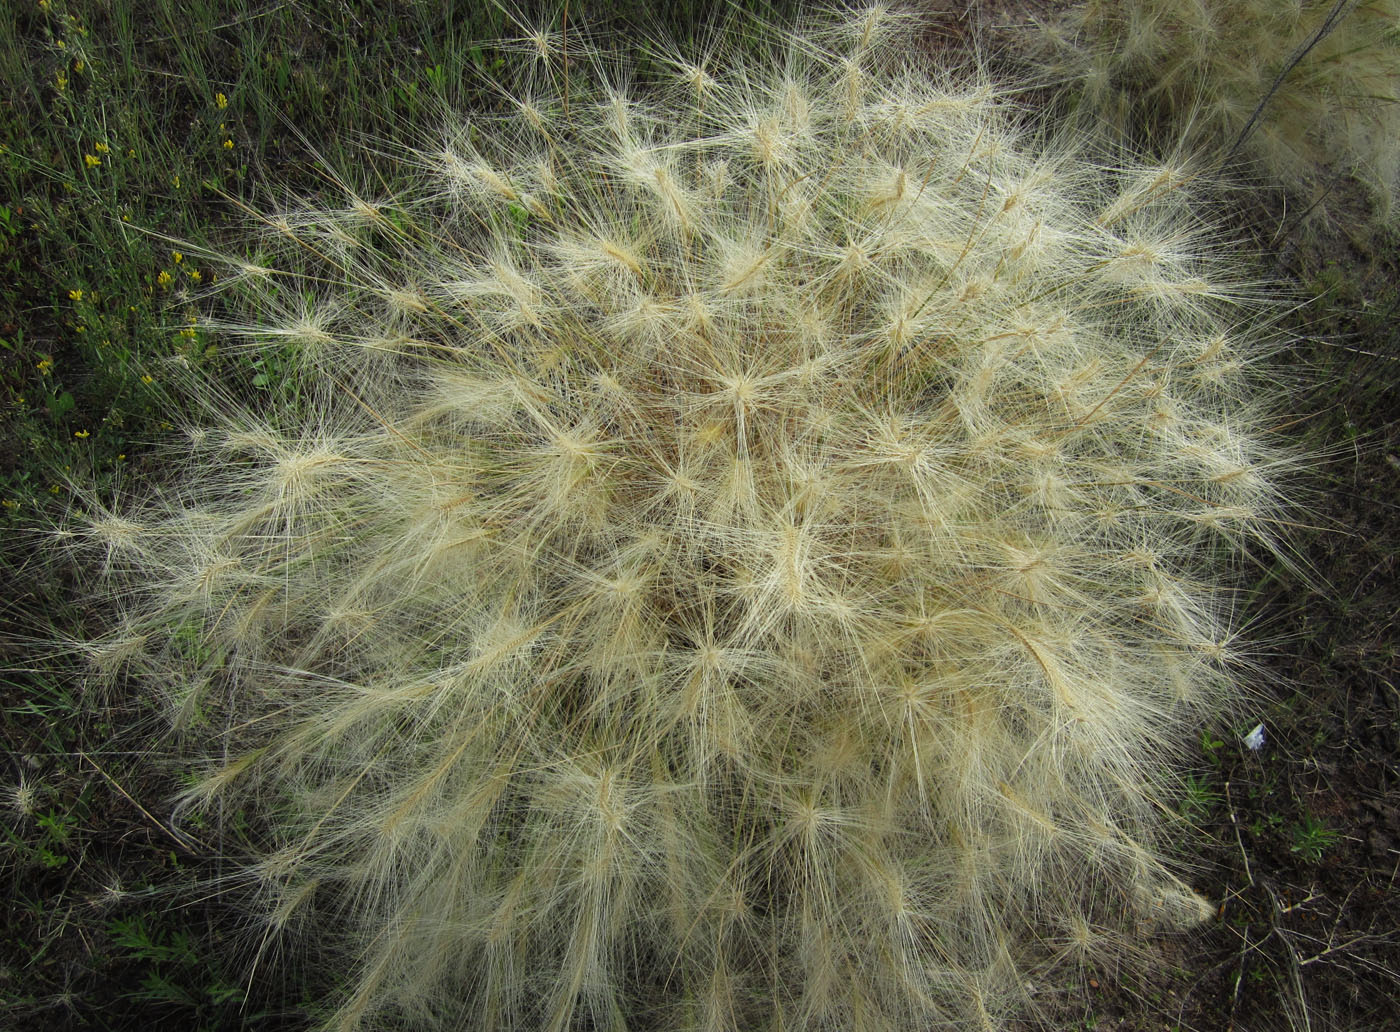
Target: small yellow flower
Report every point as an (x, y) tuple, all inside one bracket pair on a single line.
[(92, 160), (196, 275), (177, 256), (131, 152), (121, 456), (80, 434), (75, 295), (43, 5), (61, 81), (228, 145), (45, 364), (176, 181), (164, 278), (101, 148), (10, 504), (189, 334), (55, 489), (78, 66), (220, 101), (62, 44), (147, 378)]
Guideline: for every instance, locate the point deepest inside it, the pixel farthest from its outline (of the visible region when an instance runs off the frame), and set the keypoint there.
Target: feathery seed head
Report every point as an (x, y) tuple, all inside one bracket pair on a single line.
[(762, 532), (1307, 91)]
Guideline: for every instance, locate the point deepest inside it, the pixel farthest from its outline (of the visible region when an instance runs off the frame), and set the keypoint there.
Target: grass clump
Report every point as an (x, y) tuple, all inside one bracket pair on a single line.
[(747, 550), (1309, 90)]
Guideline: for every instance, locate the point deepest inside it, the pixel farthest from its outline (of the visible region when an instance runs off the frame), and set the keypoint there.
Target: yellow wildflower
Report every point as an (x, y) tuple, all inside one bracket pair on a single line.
[(196, 275), (80, 434), (220, 101), (61, 81), (164, 278), (78, 66), (188, 334), (147, 378), (131, 152), (228, 145), (45, 364), (75, 295), (101, 148), (92, 160), (55, 489), (177, 256), (10, 504)]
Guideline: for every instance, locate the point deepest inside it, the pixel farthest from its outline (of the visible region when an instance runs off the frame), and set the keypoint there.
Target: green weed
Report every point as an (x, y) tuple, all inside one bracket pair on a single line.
[(1311, 838)]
